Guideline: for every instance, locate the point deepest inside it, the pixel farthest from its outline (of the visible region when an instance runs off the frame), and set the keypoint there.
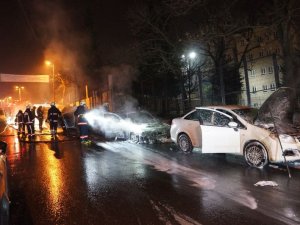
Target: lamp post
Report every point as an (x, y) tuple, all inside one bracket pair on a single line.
[(19, 90), (49, 63)]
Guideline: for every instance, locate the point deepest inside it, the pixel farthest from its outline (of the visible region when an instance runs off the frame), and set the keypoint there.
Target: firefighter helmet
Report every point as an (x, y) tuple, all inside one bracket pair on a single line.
[(27, 106), (52, 104), (82, 102)]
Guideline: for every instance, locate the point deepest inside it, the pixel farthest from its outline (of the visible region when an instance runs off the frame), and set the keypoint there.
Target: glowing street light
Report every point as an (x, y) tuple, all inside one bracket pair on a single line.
[(192, 55), (49, 63), (18, 88)]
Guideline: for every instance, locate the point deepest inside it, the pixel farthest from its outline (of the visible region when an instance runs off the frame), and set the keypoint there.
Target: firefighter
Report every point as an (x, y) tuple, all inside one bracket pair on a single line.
[(28, 120), (82, 122), (34, 115), (20, 122), (53, 116), (40, 117)]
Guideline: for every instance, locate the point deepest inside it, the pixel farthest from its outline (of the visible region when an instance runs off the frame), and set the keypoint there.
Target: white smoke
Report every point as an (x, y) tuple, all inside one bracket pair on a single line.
[(108, 122)]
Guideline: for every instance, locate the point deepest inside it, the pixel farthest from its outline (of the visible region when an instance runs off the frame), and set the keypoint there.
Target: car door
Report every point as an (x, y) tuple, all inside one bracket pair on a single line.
[(217, 136), (191, 125)]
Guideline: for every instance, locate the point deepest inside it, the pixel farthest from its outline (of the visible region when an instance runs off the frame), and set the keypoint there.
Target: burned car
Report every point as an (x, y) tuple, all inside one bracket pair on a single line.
[(68, 118), (106, 124), (266, 135), (151, 129)]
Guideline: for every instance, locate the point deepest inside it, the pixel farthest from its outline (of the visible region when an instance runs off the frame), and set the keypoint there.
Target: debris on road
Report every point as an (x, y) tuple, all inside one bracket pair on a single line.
[(266, 183)]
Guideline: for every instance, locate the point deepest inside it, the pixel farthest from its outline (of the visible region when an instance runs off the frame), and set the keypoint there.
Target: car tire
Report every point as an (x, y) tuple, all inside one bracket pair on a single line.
[(256, 154), (185, 143)]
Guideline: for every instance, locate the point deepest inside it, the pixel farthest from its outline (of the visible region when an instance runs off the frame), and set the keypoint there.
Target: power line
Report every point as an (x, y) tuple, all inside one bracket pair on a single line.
[(27, 20)]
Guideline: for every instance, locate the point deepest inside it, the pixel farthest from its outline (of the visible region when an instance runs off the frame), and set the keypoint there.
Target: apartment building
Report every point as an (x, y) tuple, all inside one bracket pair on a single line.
[(263, 67)]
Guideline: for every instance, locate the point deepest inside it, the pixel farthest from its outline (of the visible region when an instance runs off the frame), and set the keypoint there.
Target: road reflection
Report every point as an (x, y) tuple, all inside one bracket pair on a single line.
[(52, 168)]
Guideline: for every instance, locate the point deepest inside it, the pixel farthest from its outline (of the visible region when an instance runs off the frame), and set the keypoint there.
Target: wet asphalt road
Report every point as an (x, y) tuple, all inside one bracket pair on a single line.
[(124, 183)]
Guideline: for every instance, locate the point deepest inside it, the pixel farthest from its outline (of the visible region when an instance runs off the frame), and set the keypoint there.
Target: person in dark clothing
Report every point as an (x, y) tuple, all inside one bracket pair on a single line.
[(82, 122), (20, 122), (40, 117), (34, 115), (53, 116), (28, 120)]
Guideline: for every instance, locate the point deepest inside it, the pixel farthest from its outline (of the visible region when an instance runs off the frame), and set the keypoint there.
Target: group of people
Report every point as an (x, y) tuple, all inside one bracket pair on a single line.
[(26, 125), (26, 120)]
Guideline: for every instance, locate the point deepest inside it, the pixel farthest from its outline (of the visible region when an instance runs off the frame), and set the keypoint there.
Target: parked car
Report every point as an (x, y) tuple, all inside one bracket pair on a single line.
[(240, 130), (151, 129), (4, 200)]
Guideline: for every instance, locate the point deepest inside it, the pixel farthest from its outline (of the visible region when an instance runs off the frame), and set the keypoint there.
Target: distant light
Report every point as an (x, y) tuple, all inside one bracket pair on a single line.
[(192, 55), (47, 62), (182, 56)]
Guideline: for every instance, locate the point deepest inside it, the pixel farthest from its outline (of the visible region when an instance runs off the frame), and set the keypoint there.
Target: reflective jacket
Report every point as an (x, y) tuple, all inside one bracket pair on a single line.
[(79, 115), (19, 118), (53, 114), (28, 117)]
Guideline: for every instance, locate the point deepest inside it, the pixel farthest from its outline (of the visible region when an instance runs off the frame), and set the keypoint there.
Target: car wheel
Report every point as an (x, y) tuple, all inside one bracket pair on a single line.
[(185, 143), (256, 154)]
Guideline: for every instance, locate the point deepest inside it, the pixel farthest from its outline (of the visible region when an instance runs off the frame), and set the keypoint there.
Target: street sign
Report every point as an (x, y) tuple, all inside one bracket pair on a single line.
[(24, 78)]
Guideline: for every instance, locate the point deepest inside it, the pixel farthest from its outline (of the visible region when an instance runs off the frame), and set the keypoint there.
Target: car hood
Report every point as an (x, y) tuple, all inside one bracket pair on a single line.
[(278, 111)]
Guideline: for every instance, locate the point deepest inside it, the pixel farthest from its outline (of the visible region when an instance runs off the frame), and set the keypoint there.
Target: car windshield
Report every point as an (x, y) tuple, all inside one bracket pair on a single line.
[(141, 117), (247, 114)]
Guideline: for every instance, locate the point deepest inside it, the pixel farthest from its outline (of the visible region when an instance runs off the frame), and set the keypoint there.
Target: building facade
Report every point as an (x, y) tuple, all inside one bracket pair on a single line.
[(263, 63)]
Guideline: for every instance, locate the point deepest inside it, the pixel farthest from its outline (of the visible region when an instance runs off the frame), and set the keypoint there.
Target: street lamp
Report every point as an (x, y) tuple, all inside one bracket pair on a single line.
[(19, 90), (192, 55), (49, 63)]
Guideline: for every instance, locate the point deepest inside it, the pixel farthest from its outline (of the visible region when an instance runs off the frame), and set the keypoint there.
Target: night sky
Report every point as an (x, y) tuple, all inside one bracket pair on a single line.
[(29, 27)]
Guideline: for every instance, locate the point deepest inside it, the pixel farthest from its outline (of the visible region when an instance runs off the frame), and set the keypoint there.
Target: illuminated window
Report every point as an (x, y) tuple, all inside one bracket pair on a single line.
[(272, 87), (270, 69), (252, 73), (265, 88)]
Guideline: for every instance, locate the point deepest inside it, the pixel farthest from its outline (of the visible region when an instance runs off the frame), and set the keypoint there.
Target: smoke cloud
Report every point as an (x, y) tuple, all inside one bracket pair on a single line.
[(106, 122)]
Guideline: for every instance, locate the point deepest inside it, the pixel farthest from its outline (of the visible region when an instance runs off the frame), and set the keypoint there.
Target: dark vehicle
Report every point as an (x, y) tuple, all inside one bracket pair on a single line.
[(68, 118), (152, 129), (4, 201)]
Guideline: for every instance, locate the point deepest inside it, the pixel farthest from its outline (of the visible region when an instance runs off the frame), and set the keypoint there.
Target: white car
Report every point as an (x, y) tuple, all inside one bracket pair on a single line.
[(231, 129)]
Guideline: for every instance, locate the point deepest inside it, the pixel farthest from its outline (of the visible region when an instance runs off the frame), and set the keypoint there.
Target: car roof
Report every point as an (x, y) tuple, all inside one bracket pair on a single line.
[(228, 107)]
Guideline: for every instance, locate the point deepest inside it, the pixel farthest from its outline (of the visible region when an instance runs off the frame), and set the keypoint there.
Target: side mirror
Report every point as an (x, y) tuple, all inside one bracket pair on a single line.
[(3, 147), (233, 124)]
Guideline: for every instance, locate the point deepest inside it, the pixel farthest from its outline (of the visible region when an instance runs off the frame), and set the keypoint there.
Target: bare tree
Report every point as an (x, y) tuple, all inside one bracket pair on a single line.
[(284, 20)]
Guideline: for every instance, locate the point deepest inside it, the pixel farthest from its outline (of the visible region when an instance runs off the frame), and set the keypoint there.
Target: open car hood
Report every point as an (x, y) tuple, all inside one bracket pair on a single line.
[(279, 110)]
